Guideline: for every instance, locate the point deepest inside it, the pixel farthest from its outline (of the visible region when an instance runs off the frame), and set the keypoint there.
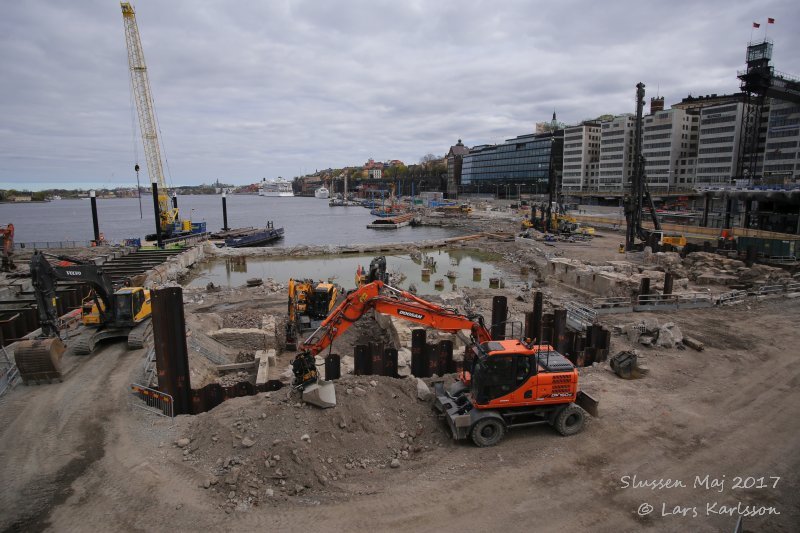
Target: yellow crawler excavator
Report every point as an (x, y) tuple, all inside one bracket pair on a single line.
[(106, 313)]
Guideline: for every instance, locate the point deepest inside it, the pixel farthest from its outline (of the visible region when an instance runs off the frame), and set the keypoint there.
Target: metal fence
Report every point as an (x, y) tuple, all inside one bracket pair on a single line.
[(731, 297), (579, 316), (153, 400), (8, 372), (767, 289), (666, 302), (43, 245)]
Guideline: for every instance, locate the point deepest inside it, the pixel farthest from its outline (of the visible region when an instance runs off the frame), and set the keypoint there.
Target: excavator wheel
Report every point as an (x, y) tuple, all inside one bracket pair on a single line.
[(488, 432), (570, 420)]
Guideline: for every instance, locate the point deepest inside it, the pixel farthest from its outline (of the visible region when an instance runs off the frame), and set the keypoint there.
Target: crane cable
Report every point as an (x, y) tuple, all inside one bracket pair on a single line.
[(135, 145)]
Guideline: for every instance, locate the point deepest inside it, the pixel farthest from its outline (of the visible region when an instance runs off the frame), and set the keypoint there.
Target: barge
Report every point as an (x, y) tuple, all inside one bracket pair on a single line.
[(257, 238), (391, 222)]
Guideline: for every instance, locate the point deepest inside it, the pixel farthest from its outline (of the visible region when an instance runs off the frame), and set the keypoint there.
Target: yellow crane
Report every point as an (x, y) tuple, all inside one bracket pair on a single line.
[(168, 217)]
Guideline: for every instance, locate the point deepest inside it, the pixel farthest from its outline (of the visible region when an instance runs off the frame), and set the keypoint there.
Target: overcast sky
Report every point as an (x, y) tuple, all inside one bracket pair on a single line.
[(245, 90)]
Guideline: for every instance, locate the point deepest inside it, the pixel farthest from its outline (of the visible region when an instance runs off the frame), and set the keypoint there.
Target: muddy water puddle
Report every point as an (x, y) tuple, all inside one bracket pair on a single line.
[(446, 269)]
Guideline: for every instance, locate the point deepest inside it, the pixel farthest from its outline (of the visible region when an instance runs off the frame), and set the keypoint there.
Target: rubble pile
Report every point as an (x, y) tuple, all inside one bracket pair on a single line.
[(272, 448), (706, 268), (248, 318), (648, 332)]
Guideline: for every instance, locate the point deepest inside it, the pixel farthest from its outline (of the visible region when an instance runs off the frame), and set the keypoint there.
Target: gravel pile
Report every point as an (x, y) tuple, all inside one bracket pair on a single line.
[(272, 448)]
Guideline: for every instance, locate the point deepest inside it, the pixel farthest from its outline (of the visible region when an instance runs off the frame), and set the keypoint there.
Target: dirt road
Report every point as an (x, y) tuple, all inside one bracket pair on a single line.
[(74, 456)]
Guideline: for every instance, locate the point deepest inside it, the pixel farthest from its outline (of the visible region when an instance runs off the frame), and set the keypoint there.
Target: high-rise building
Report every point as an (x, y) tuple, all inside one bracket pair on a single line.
[(718, 145), (616, 153), (669, 142), (782, 149), (581, 156)]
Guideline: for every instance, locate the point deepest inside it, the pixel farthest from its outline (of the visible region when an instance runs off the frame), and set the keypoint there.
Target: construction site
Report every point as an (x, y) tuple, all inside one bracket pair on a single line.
[(209, 423), (563, 368)]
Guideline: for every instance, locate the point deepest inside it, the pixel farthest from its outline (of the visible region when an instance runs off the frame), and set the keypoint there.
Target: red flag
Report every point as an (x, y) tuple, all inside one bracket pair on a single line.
[(770, 21), (756, 25)]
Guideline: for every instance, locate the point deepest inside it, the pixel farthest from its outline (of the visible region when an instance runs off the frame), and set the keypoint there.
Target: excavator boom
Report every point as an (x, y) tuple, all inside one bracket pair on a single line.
[(388, 300)]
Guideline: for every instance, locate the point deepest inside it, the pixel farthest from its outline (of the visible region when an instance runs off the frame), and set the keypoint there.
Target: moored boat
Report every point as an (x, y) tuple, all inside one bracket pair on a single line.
[(279, 187), (257, 238), (391, 222)]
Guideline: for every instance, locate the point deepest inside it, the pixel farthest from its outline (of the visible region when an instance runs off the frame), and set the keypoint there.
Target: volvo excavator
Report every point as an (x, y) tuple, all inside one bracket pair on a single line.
[(309, 303), (510, 384), (106, 313)]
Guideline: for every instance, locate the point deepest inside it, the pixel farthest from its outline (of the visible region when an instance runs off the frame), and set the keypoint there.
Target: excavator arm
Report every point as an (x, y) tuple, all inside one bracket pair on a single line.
[(45, 276), (394, 302)]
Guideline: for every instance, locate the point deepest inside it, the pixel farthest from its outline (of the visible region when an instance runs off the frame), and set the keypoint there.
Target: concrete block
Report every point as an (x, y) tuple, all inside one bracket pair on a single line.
[(269, 355), (244, 338), (262, 374)]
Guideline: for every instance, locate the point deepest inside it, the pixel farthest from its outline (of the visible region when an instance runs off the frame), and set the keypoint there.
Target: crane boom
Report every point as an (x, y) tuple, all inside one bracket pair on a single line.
[(140, 85)]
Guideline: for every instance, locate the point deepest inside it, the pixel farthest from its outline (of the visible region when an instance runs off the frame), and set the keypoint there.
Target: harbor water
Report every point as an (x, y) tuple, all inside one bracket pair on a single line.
[(306, 221)]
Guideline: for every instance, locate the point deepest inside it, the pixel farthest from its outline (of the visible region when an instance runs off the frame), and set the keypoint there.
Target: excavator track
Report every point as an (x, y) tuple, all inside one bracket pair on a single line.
[(84, 343), (139, 334)]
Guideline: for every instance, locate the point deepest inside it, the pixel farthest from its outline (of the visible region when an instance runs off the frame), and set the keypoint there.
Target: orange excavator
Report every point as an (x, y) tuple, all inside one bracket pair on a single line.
[(510, 384), (7, 248)]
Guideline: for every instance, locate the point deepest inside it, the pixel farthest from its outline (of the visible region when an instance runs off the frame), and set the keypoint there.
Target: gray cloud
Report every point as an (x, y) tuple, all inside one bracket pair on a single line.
[(246, 90)]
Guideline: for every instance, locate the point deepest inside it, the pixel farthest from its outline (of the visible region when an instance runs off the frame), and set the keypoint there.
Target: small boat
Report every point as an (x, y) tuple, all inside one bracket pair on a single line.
[(391, 222), (322, 193), (257, 238)]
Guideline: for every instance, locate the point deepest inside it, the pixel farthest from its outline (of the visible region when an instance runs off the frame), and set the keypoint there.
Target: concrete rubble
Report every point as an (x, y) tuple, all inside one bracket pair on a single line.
[(649, 332)]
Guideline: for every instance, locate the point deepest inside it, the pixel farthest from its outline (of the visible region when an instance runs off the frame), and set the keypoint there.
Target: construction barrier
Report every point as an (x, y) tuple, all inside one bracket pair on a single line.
[(731, 297), (765, 290), (615, 304), (154, 401)]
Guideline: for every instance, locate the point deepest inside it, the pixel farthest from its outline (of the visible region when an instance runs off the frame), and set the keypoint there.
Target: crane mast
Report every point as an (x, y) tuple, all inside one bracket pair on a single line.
[(140, 85)]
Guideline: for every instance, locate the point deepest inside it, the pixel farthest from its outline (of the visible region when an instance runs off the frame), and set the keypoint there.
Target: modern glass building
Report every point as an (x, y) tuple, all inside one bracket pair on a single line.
[(527, 160)]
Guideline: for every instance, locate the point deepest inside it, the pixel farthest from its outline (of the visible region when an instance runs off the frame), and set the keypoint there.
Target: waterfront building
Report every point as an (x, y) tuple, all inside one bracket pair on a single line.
[(581, 157), (454, 159), (374, 169), (669, 142), (616, 154), (782, 148), (719, 143), (529, 161)]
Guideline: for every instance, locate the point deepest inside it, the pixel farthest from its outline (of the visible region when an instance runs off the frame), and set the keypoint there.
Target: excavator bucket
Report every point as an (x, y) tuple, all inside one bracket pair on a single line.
[(322, 394), (39, 360), (626, 365)]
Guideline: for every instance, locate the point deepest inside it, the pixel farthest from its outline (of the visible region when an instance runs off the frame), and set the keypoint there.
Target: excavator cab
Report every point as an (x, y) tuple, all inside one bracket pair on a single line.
[(322, 300), (131, 306)]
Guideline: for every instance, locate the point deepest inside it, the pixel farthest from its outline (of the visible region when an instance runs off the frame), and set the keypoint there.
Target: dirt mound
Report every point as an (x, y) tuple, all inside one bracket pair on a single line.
[(272, 448)]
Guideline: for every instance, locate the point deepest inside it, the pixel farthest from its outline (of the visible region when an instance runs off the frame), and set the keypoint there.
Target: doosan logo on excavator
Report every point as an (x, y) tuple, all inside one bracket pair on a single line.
[(409, 314)]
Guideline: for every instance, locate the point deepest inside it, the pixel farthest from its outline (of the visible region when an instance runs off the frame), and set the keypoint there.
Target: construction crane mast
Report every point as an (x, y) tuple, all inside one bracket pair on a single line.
[(758, 82), (166, 215)]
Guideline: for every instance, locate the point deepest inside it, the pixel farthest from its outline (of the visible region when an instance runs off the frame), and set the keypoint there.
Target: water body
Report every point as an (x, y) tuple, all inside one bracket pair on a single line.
[(234, 272), (307, 221)]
